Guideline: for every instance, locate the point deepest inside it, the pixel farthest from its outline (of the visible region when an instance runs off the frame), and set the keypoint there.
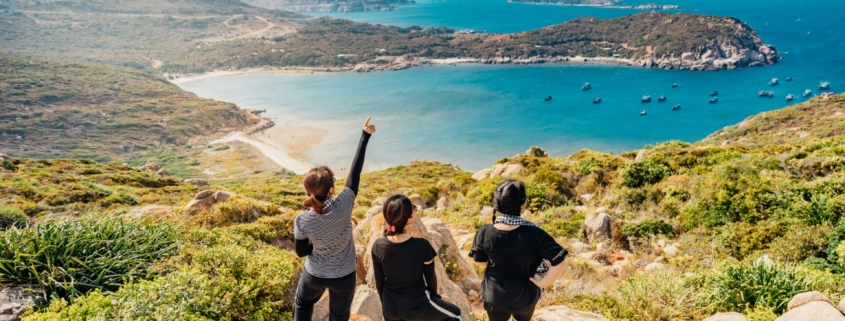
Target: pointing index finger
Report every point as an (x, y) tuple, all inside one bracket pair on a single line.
[(367, 123)]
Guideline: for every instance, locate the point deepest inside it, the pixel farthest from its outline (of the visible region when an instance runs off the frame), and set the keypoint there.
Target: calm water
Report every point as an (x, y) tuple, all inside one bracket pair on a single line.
[(472, 115)]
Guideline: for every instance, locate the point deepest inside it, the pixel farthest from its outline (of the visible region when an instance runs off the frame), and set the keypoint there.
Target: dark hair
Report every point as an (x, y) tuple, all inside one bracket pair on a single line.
[(508, 198), (397, 211), (318, 181)]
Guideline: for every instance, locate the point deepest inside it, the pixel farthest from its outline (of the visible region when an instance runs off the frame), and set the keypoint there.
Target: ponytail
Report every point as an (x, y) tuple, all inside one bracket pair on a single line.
[(318, 182), (397, 211)]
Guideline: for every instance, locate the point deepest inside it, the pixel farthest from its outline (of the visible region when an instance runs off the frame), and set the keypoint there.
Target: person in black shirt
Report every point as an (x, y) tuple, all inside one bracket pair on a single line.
[(513, 249), (404, 270)]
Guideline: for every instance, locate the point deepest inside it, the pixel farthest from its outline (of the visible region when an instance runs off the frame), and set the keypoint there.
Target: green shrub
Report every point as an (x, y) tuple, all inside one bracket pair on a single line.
[(11, 216), (537, 195), (741, 239), (235, 211), (637, 174), (647, 227), (274, 230), (66, 259), (800, 243), (9, 165), (656, 296), (751, 285), (92, 171)]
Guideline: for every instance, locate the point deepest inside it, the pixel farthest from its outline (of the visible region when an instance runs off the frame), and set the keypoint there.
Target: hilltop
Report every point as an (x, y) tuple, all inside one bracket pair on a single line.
[(329, 6), (64, 109)]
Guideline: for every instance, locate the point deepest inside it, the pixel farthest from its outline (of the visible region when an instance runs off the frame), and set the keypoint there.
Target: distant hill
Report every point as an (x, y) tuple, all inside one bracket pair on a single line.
[(573, 2), (67, 109), (820, 117), (329, 5)]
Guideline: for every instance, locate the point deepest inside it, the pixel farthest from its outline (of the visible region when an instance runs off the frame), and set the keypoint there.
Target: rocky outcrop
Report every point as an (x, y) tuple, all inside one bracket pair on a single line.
[(441, 239), (811, 306), (150, 167), (444, 204), (562, 313), (536, 152), (498, 170), (841, 305), (4, 157), (162, 173), (13, 302), (205, 200), (726, 316), (150, 210)]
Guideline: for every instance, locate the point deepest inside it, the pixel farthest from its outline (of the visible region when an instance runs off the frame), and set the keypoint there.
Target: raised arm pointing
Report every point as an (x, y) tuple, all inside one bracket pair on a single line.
[(358, 162)]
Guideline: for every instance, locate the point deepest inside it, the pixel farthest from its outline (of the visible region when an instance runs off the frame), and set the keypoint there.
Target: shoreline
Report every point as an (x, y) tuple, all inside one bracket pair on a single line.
[(420, 62), (274, 153)]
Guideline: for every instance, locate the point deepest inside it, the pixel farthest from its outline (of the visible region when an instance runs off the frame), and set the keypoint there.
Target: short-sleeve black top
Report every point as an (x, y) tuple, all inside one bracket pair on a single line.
[(517, 253), (513, 257), (403, 263)]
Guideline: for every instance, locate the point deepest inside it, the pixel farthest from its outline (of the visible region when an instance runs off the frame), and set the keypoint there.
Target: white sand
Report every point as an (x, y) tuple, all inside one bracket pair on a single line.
[(275, 154)]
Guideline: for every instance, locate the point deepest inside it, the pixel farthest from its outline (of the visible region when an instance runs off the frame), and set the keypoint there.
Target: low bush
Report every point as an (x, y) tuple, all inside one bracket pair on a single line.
[(276, 230), (752, 285), (236, 210), (656, 296), (800, 243), (11, 216), (638, 174), (647, 227), (67, 259)]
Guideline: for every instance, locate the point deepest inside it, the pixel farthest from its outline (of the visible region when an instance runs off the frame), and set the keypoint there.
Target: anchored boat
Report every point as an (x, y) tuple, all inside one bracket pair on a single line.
[(586, 86), (643, 113), (597, 100), (676, 107), (773, 82), (808, 93), (661, 99), (789, 97), (548, 98), (714, 100), (646, 98), (824, 85)]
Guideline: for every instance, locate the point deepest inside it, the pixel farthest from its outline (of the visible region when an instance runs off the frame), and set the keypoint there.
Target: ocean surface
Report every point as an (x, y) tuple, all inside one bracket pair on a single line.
[(473, 115)]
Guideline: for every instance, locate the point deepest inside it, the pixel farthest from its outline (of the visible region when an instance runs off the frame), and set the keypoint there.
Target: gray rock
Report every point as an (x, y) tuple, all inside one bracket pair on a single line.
[(4, 157), (815, 311), (579, 247), (482, 174), (150, 167), (536, 152), (842, 305), (379, 201), (655, 266), (367, 303), (444, 204), (641, 155), (13, 302), (726, 316), (417, 200), (162, 173), (562, 313), (597, 225), (375, 210), (487, 214)]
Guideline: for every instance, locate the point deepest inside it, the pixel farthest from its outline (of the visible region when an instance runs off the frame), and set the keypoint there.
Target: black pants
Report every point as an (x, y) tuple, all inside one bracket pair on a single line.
[(499, 314), (418, 307), (311, 288)]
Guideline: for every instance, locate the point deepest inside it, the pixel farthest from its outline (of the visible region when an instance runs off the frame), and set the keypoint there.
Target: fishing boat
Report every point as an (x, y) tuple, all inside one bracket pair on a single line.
[(808, 93), (714, 100), (788, 79), (646, 99), (714, 93), (548, 98), (771, 94), (762, 93), (586, 86), (675, 85), (676, 107), (661, 99), (773, 82), (597, 100), (789, 97), (643, 113), (824, 85)]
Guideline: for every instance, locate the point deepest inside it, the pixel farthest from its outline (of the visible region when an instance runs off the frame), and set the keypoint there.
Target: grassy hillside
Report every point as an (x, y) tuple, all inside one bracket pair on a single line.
[(61, 109), (815, 119)]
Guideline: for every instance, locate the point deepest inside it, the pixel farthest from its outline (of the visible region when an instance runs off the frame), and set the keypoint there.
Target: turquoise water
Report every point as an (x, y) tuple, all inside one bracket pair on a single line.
[(472, 115)]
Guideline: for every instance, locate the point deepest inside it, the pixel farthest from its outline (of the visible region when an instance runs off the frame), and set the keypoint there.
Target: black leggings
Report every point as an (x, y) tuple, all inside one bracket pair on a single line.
[(421, 307), (499, 314), (311, 288)]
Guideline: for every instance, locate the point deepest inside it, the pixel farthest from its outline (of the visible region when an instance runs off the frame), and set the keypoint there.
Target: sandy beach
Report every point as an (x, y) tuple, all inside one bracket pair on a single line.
[(274, 153)]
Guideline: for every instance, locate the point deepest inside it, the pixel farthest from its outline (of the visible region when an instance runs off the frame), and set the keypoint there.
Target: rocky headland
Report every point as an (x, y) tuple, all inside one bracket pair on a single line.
[(329, 6)]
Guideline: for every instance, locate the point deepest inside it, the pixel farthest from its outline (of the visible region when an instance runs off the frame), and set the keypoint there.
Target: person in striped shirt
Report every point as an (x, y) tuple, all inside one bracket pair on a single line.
[(323, 235)]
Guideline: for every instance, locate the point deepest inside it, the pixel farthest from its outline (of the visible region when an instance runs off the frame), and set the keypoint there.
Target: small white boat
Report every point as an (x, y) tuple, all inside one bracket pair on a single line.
[(808, 93), (789, 97), (586, 86), (643, 113), (774, 82), (824, 85), (646, 98)]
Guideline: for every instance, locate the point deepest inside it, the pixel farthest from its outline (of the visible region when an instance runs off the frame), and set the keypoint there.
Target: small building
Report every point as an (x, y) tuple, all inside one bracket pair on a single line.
[(382, 51), (341, 56)]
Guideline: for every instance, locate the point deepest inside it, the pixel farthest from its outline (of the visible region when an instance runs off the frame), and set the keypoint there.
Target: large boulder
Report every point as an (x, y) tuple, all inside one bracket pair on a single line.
[(199, 182), (506, 169), (367, 303), (13, 302), (441, 239), (205, 200), (444, 204), (418, 201), (482, 174), (562, 313), (807, 297), (815, 311), (162, 173), (598, 225), (321, 308), (841, 305), (726, 316), (4, 157)]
